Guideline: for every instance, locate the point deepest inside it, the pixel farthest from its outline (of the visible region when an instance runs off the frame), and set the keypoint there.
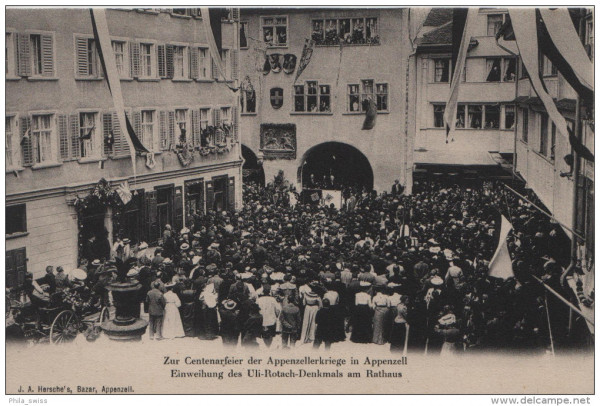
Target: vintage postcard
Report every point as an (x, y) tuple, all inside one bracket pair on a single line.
[(295, 200)]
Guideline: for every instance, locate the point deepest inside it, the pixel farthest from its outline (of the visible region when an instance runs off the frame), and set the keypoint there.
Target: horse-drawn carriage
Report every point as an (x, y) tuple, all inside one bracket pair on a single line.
[(63, 316)]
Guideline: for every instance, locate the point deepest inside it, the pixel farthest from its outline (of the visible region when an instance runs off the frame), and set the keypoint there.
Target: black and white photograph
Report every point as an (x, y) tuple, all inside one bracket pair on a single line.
[(300, 200)]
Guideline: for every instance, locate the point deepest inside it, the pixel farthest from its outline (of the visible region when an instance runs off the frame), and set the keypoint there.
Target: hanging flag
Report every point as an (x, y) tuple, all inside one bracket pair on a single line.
[(461, 56), (560, 42), (459, 19), (109, 67), (216, 15), (371, 114), (124, 192), (307, 52), (524, 22), (88, 135), (215, 48), (27, 136), (501, 264)]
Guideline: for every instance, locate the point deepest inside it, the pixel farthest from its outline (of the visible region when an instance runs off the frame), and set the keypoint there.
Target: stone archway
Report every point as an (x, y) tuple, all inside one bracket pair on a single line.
[(252, 169), (349, 167)]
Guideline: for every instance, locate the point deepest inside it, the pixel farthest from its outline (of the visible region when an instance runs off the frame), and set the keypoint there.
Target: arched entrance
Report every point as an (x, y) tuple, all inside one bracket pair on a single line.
[(252, 169), (335, 165)]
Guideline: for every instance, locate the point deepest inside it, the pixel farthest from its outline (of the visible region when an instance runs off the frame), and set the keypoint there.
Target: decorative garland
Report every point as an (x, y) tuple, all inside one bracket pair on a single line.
[(101, 197)]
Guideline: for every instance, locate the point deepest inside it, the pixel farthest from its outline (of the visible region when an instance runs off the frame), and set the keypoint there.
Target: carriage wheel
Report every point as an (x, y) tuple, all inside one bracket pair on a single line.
[(104, 315), (64, 327)]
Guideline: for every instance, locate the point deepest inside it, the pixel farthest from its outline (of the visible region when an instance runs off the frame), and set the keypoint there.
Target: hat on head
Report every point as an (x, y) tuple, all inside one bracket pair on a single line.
[(126, 240), (229, 304), (447, 320), (79, 274), (437, 281), (133, 272), (365, 283), (96, 262), (170, 285), (143, 245), (185, 246), (167, 261), (184, 230)]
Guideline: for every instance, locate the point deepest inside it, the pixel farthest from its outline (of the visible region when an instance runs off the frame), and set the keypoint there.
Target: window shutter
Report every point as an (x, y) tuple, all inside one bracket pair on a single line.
[(63, 136), (120, 146), (23, 55), (235, 68), (137, 127), (162, 69), (231, 194), (21, 265), (134, 55), (81, 57), (217, 117), (151, 217), (194, 62), (214, 71), (47, 55), (171, 128), (178, 207), (106, 129), (26, 144), (162, 128), (74, 124), (169, 61), (210, 195), (236, 126), (196, 127)]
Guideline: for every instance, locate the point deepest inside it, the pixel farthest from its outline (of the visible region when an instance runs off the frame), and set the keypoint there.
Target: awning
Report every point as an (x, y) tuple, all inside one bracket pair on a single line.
[(454, 158)]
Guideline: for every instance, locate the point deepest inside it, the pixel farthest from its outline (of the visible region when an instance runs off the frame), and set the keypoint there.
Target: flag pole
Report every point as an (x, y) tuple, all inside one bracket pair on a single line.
[(549, 325), (544, 211), (565, 301)]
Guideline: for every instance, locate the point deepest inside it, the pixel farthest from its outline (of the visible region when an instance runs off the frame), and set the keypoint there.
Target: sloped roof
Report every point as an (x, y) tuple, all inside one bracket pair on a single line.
[(438, 17), (441, 35)]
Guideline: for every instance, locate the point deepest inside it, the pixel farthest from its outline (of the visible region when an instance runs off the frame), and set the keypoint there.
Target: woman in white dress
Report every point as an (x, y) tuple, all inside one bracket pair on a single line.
[(172, 326)]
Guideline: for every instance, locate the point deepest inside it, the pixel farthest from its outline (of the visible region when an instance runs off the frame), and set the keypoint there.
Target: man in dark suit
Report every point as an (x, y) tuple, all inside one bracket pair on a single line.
[(156, 309), (397, 188)]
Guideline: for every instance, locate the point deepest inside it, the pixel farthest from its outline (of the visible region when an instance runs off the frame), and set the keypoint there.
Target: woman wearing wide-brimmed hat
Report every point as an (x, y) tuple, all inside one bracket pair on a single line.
[(172, 326), (230, 327)]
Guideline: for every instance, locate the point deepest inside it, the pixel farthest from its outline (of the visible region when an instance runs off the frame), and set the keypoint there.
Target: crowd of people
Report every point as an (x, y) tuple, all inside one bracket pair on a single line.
[(408, 271)]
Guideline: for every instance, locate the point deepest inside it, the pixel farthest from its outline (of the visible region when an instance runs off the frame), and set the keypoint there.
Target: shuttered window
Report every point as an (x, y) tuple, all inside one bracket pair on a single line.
[(120, 145), (120, 50), (10, 56), (88, 135), (162, 67), (63, 137), (235, 68), (204, 63), (87, 64), (35, 55), (16, 267), (11, 144), (196, 127), (147, 61), (194, 62), (26, 146), (42, 138)]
